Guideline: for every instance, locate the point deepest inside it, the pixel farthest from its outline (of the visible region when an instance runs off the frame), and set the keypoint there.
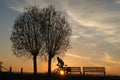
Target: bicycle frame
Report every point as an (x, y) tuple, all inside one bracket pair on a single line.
[(59, 70)]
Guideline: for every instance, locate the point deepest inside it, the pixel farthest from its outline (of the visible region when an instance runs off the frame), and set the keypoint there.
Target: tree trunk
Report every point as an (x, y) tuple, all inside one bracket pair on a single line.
[(35, 64), (49, 65)]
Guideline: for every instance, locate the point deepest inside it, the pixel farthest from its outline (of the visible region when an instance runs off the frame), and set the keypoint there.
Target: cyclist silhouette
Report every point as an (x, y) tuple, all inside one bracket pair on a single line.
[(60, 62)]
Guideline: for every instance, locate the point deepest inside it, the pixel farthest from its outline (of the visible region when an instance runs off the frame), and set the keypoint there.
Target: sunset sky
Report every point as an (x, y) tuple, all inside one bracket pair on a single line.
[(95, 39)]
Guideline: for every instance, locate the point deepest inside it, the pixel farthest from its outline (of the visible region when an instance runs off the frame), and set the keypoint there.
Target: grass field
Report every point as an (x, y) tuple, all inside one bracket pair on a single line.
[(18, 76)]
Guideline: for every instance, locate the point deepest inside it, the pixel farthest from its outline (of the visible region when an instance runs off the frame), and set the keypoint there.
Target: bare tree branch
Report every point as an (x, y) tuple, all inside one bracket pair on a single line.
[(26, 34), (56, 33)]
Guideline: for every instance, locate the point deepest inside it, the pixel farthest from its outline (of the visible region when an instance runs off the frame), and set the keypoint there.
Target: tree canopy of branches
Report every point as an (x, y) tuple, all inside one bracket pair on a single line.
[(43, 31), (56, 32), (26, 35)]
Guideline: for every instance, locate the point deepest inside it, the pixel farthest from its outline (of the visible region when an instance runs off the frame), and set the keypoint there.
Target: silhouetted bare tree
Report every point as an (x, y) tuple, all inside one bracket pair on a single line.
[(56, 33), (26, 35)]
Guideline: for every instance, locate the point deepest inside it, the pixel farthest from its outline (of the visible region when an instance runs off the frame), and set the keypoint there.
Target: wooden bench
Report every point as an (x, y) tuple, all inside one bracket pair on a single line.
[(73, 69), (94, 69)]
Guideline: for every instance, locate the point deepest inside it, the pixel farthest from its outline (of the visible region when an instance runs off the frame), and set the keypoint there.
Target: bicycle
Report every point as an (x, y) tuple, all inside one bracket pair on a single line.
[(60, 70)]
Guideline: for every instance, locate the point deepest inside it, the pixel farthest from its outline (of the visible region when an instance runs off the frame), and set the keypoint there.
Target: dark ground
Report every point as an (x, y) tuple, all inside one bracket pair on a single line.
[(18, 76)]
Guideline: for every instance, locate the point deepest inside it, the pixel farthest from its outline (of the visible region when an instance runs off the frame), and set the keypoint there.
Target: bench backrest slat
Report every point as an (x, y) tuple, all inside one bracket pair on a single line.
[(75, 69), (91, 69), (94, 69)]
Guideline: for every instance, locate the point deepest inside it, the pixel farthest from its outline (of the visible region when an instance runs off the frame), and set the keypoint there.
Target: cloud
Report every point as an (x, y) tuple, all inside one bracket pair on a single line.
[(112, 40), (109, 59), (104, 17), (75, 36), (79, 57), (19, 5), (95, 23), (117, 1), (87, 12)]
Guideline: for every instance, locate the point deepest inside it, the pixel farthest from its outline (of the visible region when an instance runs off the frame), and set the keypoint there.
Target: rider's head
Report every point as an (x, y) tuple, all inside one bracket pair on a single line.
[(58, 58)]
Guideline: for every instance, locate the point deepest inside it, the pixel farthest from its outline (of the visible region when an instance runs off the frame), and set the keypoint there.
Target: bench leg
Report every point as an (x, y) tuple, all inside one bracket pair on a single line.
[(104, 73), (83, 73), (80, 72)]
